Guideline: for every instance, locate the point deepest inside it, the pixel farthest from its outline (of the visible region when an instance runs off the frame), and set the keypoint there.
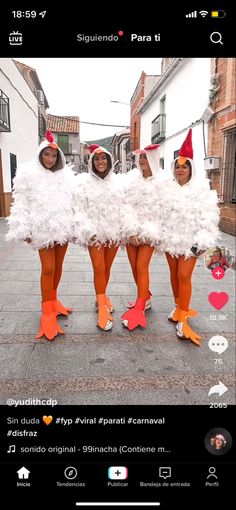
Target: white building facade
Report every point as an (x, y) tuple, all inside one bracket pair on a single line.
[(175, 104), (19, 143)]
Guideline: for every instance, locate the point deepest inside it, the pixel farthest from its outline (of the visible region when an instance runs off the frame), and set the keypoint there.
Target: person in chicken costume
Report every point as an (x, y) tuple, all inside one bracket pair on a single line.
[(190, 217), (42, 215), (97, 212), (141, 228)]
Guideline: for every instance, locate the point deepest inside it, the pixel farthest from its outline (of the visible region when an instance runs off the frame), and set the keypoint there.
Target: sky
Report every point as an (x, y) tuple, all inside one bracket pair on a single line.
[(85, 87)]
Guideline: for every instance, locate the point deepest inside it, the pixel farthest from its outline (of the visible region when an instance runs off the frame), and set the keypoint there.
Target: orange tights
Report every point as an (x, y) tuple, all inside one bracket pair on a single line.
[(51, 261), (180, 276), (102, 259), (140, 257)]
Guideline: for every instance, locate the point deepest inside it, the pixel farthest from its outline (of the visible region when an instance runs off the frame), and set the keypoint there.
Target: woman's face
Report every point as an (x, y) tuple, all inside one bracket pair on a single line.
[(100, 162), (216, 253), (49, 157), (219, 442), (182, 173), (144, 165)]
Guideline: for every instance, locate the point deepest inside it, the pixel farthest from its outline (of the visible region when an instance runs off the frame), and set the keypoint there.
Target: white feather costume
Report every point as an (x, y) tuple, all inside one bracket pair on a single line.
[(141, 208), (97, 207), (189, 215), (42, 207)]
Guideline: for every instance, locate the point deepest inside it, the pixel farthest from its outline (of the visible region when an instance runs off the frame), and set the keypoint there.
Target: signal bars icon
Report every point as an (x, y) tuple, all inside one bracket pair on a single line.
[(193, 14)]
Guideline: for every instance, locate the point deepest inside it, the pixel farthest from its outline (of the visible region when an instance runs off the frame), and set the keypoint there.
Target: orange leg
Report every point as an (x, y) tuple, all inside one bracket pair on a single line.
[(60, 252), (47, 257), (180, 276), (173, 266), (49, 326), (145, 253), (102, 259), (51, 262), (97, 256), (132, 252), (135, 316), (185, 271), (109, 254)]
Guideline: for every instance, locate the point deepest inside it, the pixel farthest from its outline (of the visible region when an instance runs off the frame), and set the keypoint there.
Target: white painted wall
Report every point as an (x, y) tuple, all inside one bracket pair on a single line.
[(23, 138), (187, 96), (150, 82)]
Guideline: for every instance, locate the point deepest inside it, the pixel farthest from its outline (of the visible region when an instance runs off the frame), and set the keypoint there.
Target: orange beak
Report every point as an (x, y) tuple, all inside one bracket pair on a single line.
[(182, 160)]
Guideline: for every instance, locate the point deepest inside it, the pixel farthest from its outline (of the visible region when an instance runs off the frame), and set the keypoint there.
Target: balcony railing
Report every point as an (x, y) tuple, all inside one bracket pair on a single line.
[(159, 128), (228, 174), (4, 112)]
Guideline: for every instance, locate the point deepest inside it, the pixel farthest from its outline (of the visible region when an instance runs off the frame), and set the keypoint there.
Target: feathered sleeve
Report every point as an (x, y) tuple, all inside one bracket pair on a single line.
[(19, 223), (130, 200), (207, 224), (83, 227)]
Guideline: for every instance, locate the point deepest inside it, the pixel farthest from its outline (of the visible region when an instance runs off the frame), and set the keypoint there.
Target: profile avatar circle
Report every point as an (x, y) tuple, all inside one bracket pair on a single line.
[(218, 441)]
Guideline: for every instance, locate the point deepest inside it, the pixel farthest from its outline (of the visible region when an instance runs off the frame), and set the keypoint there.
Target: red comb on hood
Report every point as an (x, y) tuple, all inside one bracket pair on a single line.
[(139, 151), (151, 147), (92, 147), (186, 149), (49, 136)]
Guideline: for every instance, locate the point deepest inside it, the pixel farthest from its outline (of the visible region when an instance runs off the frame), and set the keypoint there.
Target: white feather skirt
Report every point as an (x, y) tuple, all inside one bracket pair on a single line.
[(42, 206), (189, 216), (141, 213), (97, 208)]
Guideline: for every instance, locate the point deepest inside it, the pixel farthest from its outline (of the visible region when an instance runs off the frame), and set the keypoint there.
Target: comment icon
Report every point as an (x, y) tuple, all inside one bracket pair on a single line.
[(165, 472), (218, 344)]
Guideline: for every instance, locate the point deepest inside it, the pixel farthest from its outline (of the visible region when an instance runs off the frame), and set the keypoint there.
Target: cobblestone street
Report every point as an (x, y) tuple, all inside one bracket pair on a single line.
[(87, 366)]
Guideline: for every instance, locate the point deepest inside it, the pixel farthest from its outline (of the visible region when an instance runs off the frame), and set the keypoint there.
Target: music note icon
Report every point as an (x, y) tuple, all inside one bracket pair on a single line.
[(12, 448)]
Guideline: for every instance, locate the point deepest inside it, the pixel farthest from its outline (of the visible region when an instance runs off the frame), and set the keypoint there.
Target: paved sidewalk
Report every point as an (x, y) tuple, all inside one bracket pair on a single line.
[(87, 366)]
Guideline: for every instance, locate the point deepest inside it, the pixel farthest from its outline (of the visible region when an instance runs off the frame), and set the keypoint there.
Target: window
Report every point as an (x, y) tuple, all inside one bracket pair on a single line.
[(228, 181), (158, 128), (13, 165), (162, 163), (4, 112), (163, 105), (63, 142), (42, 126), (159, 123)]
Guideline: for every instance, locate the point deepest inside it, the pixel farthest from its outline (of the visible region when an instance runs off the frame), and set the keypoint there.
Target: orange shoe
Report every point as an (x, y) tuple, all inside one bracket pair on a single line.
[(104, 317), (58, 307), (174, 315), (183, 329), (109, 304), (49, 326)]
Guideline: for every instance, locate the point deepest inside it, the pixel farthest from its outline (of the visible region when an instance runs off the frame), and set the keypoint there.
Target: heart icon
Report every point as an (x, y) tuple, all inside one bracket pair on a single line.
[(218, 299), (47, 419)]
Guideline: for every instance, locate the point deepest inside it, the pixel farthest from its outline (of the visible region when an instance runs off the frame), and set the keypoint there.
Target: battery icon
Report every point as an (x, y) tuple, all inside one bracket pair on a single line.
[(218, 14)]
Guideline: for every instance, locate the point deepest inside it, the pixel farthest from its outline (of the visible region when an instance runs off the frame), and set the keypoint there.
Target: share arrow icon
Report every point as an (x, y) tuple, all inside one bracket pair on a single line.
[(218, 388)]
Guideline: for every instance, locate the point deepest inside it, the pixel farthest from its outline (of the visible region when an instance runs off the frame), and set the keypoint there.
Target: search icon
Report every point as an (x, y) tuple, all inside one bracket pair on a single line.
[(216, 38)]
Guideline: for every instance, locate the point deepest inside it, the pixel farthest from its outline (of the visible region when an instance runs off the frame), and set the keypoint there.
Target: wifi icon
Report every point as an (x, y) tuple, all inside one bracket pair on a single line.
[(203, 13)]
